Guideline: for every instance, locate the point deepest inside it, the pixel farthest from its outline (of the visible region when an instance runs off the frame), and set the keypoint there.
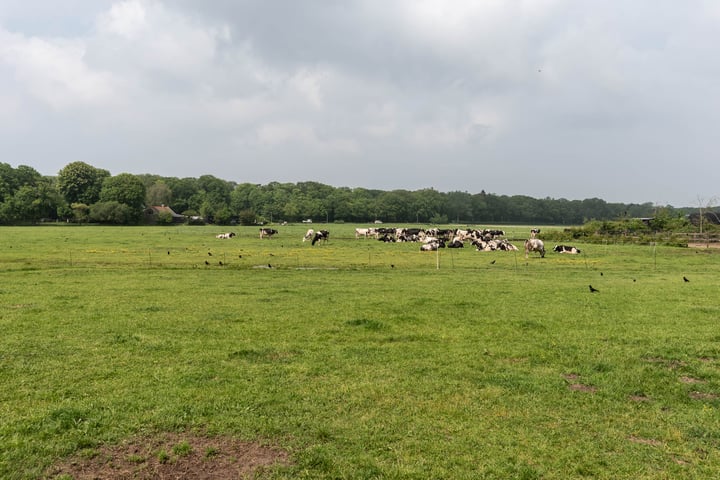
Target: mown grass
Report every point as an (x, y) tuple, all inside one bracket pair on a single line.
[(363, 359)]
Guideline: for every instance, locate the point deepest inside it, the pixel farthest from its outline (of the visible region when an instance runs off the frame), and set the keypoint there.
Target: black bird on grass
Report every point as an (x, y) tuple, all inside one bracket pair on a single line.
[(685, 279), (492, 263), (593, 290), (209, 254), (207, 263)]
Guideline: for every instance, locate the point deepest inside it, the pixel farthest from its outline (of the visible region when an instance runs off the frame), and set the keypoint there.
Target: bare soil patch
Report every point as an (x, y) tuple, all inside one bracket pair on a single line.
[(686, 379), (704, 396), (645, 441), (579, 387), (574, 384), (174, 456)]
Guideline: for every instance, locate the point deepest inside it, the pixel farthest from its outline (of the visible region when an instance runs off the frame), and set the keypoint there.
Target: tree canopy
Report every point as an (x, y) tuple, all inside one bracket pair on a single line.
[(81, 192)]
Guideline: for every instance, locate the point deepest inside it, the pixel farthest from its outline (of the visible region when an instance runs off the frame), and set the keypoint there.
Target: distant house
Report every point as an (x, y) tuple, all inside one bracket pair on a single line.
[(151, 214)]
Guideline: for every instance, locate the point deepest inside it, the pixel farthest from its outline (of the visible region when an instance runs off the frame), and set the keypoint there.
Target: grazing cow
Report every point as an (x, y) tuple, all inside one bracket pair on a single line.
[(309, 234), (225, 235), (321, 235), (534, 245), (566, 249), (267, 232), (534, 232)]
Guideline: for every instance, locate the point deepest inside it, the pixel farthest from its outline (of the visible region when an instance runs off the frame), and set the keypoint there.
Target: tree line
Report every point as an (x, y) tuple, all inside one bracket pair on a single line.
[(82, 193)]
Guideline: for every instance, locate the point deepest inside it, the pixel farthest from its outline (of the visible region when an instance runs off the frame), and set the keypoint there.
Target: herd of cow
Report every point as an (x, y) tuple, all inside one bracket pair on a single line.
[(432, 239)]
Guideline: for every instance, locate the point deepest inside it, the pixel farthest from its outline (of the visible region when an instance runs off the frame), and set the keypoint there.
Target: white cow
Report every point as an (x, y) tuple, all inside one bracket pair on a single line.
[(365, 232), (309, 234), (534, 245)]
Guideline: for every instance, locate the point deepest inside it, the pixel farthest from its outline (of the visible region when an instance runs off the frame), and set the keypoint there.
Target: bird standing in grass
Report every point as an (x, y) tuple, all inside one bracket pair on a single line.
[(685, 279), (593, 290)]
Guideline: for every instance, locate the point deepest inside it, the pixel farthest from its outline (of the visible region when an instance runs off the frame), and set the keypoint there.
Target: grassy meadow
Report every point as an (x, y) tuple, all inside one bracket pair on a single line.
[(361, 359)]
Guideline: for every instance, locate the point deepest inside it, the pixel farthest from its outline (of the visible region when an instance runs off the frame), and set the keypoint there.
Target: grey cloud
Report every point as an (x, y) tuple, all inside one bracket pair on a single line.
[(546, 98)]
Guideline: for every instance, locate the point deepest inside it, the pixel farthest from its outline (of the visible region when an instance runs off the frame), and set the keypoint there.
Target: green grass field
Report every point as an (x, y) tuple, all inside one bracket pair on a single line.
[(361, 359)]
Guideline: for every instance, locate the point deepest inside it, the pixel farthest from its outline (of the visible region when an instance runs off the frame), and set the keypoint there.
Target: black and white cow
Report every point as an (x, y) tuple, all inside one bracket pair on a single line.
[(566, 249), (321, 235), (267, 232), (495, 244), (225, 235), (534, 232), (432, 247), (534, 245)]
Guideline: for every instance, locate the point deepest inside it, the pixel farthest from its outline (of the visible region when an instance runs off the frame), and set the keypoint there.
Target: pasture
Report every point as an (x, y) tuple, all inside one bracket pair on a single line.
[(356, 358)]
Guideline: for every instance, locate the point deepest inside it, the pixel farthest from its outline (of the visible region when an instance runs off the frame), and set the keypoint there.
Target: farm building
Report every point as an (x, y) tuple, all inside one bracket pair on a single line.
[(151, 214)]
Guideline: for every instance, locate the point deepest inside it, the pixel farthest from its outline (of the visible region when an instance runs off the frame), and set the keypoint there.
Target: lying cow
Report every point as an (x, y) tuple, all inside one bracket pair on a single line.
[(321, 235), (534, 245), (225, 235), (566, 249), (432, 247), (267, 232), (492, 245)]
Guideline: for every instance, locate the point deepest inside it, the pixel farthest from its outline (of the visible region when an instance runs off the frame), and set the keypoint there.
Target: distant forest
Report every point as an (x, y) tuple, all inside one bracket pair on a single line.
[(83, 193)]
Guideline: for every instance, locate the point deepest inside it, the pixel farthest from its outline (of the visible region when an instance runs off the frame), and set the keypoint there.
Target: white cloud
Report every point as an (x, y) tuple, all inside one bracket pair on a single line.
[(126, 19), (54, 70)]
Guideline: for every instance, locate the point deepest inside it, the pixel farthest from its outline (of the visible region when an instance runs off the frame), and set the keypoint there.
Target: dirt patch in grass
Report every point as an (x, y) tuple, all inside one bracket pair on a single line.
[(645, 441), (174, 456), (579, 387), (575, 385), (690, 380), (704, 396)]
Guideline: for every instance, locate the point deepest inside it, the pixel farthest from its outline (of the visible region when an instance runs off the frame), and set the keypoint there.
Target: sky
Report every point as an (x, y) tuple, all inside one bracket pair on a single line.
[(574, 99)]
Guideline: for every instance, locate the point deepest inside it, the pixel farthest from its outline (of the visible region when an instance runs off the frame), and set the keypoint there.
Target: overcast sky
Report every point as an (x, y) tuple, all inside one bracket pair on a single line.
[(571, 99)]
